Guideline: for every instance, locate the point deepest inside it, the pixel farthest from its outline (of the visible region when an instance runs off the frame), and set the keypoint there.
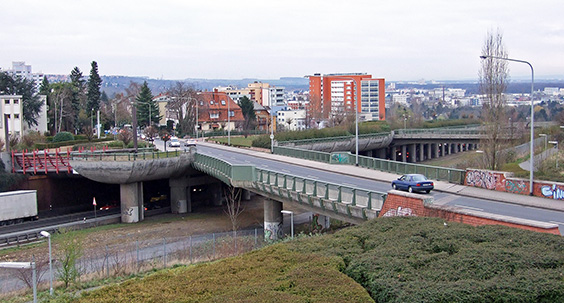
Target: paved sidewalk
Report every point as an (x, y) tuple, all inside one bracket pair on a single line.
[(376, 175)]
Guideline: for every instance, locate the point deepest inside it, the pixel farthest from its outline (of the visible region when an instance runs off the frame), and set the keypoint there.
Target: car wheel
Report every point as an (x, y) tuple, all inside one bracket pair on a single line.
[(394, 186), (409, 189), (428, 191)]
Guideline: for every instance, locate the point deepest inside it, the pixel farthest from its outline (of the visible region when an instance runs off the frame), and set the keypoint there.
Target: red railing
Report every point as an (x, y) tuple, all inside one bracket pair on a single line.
[(44, 162)]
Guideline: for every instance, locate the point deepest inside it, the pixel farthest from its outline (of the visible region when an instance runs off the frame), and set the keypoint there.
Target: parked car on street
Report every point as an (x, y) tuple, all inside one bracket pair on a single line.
[(413, 183)]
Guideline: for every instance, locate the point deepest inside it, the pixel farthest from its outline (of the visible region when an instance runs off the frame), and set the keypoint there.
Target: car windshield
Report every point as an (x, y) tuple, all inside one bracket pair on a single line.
[(418, 178)]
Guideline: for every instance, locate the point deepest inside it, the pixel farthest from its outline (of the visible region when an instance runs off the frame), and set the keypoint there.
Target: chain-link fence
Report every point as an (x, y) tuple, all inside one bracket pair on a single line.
[(139, 255)]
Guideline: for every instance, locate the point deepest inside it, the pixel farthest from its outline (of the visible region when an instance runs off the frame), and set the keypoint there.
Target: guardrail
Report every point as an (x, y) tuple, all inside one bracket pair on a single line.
[(125, 156), (451, 175), (302, 153), (292, 187), (332, 139)]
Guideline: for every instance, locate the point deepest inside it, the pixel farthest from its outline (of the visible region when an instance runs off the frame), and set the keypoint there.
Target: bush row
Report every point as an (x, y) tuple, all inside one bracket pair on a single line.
[(411, 259)]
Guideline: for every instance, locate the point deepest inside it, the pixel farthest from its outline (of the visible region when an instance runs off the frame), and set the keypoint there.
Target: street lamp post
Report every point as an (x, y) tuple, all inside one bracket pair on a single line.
[(356, 128), (48, 236), (271, 130), (228, 123), (531, 167), (291, 213)]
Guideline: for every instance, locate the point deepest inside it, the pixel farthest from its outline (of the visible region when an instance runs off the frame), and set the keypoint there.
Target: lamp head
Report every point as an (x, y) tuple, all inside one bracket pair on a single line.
[(45, 234)]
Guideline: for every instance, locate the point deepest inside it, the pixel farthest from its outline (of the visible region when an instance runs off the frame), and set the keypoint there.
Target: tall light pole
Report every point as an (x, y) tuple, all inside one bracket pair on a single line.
[(228, 122), (531, 165), (48, 236), (356, 128), (271, 130)]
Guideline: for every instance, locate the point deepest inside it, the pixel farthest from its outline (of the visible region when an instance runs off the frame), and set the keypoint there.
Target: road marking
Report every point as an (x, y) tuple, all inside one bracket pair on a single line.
[(556, 222), (286, 171), (312, 177), (469, 207)]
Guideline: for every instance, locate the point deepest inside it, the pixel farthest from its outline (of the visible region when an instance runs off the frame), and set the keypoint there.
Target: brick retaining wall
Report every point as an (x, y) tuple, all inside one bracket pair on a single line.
[(400, 203)]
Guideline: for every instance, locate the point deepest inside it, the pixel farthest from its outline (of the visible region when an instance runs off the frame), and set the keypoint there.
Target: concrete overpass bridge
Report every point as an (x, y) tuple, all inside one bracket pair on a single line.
[(405, 145), (186, 170)]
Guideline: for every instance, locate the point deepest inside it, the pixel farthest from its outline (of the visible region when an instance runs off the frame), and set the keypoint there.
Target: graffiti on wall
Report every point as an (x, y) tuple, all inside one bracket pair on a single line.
[(400, 212), (516, 186), (553, 192), (273, 231), (483, 178), (339, 158)]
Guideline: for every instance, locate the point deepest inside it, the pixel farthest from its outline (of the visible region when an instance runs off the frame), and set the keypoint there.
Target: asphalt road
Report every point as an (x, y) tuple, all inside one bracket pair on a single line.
[(489, 206)]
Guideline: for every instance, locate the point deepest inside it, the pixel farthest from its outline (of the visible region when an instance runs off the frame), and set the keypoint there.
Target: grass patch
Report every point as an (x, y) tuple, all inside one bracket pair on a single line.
[(235, 141)]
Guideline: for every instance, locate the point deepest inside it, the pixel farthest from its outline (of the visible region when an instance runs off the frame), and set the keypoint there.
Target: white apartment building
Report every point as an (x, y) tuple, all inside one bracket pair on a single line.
[(11, 116), (20, 69), (235, 93), (291, 119), (370, 99)]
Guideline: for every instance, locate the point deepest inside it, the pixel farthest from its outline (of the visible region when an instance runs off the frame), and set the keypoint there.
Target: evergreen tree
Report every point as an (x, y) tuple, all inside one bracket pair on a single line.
[(78, 87), (147, 108), (248, 109), (45, 87), (93, 94)]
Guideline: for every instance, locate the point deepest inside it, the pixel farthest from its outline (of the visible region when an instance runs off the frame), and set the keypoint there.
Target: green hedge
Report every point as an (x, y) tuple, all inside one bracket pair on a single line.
[(42, 146), (412, 259), (63, 136)]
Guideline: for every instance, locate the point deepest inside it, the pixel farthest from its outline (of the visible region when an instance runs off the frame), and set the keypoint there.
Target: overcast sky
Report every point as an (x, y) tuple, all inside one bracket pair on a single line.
[(397, 40)]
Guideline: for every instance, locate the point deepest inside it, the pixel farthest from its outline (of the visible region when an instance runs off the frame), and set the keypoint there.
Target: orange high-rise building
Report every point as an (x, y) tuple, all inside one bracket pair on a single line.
[(332, 94)]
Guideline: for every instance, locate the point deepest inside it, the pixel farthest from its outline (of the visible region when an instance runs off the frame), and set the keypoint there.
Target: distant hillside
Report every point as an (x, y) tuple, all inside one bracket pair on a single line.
[(115, 84)]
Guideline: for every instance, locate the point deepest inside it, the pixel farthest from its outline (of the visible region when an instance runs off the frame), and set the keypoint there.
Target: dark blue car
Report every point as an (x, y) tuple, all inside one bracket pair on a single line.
[(412, 183)]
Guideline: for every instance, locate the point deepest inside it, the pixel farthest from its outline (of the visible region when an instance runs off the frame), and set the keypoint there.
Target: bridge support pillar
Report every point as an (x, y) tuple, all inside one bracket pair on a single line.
[(443, 149), (272, 220), (412, 153), (429, 151), (421, 152), (382, 153), (246, 195), (180, 190), (319, 222), (394, 153), (131, 196), (403, 153)]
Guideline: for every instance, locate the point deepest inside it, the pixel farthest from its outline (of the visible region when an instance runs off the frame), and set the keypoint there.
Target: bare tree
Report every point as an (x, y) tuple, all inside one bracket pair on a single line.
[(233, 205), (493, 76), (182, 106)]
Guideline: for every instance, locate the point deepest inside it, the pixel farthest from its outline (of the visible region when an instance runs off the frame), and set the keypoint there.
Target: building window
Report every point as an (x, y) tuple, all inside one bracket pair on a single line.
[(222, 102), (214, 115), (6, 101), (16, 101), (16, 116)]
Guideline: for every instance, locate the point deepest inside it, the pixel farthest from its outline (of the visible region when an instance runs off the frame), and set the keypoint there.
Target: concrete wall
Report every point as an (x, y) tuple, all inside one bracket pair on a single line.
[(406, 204)]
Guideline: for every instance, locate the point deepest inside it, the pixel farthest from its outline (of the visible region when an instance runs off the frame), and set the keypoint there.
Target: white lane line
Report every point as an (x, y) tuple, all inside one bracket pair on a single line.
[(469, 207), (312, 177), (556, 222), (286, 171)]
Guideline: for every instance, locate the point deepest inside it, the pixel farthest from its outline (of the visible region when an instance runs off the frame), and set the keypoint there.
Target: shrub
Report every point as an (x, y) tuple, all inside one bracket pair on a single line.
[(63, 136)]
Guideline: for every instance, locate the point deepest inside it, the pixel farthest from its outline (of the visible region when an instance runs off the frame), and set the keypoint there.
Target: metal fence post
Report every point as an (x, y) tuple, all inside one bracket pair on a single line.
[(137, 248), (107, 263), (164, 251)]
